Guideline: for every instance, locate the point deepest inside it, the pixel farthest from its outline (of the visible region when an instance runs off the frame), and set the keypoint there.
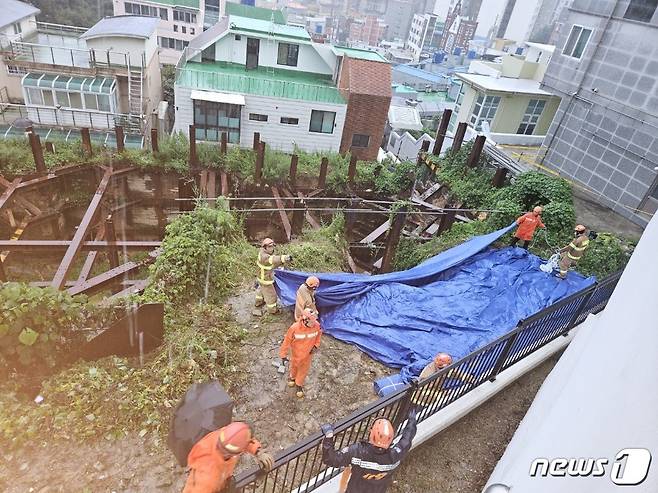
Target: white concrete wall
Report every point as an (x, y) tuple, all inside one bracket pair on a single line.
[(228, 49), (517, 139), (522, 20), (28, 27), (120, 46), (489, 16), (166, 28), (277, 135)]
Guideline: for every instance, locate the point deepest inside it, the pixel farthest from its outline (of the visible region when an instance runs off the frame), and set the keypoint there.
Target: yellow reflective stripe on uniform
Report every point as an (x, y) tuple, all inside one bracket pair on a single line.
[(263, 268), (572, 257), (265, 282), (271, 305), (571, 245)]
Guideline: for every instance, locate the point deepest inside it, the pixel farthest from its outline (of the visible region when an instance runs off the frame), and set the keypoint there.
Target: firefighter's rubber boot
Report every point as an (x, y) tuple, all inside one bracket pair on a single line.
[(291, 383), (300, 392)]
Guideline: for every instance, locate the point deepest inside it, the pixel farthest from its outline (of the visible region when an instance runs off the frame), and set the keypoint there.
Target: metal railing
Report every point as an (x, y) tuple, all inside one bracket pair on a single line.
[(97, 120), (49, 27), (300, 468), (75, 57)]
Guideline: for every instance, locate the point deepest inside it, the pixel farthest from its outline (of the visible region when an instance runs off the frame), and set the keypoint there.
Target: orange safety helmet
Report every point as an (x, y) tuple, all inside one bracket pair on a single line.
[(234, 438), (312, 282), (382, 433), (309, 314), (442, 360), (267, 242), (580, 228)]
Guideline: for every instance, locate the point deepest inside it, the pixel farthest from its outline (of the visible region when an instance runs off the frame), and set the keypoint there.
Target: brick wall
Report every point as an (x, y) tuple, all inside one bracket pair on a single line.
[(366, 86)]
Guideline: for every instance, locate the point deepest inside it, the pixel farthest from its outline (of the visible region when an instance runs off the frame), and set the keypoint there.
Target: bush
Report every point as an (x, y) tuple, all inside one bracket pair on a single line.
[(37, 325), (321, 250), (207, 242), (508, 212), (605, 255), (559, 218), (534, 188)]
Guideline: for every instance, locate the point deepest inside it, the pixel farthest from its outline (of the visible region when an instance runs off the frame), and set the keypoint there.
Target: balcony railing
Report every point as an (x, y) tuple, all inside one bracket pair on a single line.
[(75, 57), (70, 118), (300, 468)]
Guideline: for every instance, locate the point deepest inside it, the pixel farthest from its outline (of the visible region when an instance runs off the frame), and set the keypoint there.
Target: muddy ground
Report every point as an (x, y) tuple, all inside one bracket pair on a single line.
[(340, 375)]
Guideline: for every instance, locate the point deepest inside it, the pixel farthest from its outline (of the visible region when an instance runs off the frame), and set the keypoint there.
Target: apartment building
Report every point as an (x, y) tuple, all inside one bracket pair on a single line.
[(605, 134), (369, 30), (505, 99), (458, 31), (98, 78), (18, 20), (247, 75), (425, 34)]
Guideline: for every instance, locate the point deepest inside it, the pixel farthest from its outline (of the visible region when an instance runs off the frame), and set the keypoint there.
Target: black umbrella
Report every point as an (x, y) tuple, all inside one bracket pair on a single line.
[(205, 407)]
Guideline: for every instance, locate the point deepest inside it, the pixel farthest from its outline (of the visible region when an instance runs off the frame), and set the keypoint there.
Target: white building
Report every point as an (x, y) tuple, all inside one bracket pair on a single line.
[(422, 34), (178, 22), (18, 20), (247, 75)]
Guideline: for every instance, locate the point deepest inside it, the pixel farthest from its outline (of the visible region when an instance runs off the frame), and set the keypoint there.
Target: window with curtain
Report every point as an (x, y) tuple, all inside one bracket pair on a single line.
[(322, 121), (288, 54), (212, 119)]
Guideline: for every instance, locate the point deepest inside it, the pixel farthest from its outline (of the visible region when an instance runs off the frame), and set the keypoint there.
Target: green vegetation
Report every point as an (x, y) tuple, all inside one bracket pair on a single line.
[(471, 187), (173, 155), (73, 12)]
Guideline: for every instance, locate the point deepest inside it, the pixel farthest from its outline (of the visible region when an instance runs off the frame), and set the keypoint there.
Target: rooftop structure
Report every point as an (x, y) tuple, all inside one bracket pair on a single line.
[(71, 77), (245, 68), (505, 98), (420, 79)]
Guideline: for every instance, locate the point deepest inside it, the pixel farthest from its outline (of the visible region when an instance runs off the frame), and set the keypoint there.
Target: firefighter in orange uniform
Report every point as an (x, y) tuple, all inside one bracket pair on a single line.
[(528, 223), (213, 458), (302, 338), (306, 296)]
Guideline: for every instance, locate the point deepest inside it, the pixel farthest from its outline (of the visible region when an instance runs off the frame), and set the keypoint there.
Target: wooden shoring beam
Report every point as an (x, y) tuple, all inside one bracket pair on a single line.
[(379, 231), (112, 276), (13, 186), (59, 245), (20, 229), (211, 192), (315, 224), (81, 232), (224, 180), (91, 257), (284, 217), (33, 209)]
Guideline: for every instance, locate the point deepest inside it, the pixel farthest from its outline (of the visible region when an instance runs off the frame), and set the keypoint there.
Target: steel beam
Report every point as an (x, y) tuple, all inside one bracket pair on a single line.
[(102, 281), (441, 132), (13, 186), (59, 245), (81, 232), (284, 217), (91, 257)]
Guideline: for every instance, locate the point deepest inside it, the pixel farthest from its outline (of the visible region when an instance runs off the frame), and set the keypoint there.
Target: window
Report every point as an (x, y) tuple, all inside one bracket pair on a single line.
[(484, 110), (191, 30), (238, 37), (577, 41), (174, 44), (17, 27), (641, 10), (289, 121), (322, 121), (34, 96), (175, 28), (183, 29), (531, 116), (90, 102), (164, 14), (360, 140), (14, 70), (182, 16), (48, 99), (257, 117), (212, 119), (103, 102), (76, 100), (288, 54)]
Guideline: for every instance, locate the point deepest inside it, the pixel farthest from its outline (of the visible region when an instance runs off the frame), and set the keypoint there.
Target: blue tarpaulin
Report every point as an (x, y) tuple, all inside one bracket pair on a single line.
[(454, 302)]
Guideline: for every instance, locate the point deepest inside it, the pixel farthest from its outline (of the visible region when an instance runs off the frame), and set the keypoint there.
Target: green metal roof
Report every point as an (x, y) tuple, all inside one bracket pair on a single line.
[(276, 83), (193, 4), (267, 28), (370, 55), (95, 85), (255, 12)]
